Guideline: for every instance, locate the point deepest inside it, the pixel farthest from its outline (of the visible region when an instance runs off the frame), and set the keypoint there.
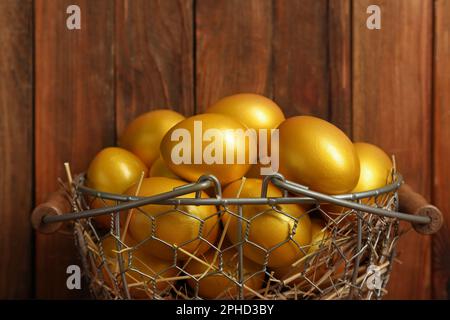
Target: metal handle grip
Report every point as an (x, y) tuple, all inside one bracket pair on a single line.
[(414, 203)]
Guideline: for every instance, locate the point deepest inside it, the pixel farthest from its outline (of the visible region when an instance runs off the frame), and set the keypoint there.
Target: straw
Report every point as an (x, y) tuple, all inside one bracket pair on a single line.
[(131, 211)]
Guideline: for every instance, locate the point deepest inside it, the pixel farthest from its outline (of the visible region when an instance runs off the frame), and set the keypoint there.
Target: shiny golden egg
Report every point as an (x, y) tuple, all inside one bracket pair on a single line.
[(160, 169), (142, 270), (208, 144), (317, 154), (254, 172), (319, 238), (215, 286), (173, 227), (375, 172), (269, 228), (113, 170), (319, 235), (326, 261), (144, 134), (253, 110), (375, 166)]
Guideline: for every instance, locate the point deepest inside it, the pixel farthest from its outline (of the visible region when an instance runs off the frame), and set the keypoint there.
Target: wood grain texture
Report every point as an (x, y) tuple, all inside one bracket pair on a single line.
[(340, 64), (154, 57), (74, 115), (392, 108), (300, 55), (441, 185), (16, 148), (233, 49), (131, 56)]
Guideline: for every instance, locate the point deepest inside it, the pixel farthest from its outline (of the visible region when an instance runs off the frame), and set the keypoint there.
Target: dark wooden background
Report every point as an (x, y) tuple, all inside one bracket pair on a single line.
[(66, 94)]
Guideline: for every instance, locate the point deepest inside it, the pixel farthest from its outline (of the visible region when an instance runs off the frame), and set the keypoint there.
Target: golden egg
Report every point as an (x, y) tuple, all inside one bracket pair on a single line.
[(213, 286), (375, 166), (319, 238), (315, 153), (160, 169), (317, 225), (140, 286), (253, 110), (270, 230), (326, 261), (207, 144), (375, 172), (179, 226), (323, 264), (319, 235), (113, 170), (144, 134), (318, 272), (254, 172)]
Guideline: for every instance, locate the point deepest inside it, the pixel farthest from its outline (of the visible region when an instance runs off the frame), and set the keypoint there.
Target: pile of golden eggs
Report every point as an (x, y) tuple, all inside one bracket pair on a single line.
[(175, 243)]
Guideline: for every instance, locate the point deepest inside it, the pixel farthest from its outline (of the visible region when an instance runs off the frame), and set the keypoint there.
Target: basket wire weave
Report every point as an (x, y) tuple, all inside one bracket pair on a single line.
[(353, 260)]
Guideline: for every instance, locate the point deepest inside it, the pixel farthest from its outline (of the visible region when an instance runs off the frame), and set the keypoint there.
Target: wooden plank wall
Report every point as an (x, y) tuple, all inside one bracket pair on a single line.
[(441, 148), (389, 86), (300, 77), (154, 66), (226, 29), (74, 111), (392, 108), (16, 148)]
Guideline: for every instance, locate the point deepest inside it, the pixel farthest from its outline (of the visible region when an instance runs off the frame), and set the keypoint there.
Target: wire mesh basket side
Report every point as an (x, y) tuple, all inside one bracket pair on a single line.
[(351, 260)]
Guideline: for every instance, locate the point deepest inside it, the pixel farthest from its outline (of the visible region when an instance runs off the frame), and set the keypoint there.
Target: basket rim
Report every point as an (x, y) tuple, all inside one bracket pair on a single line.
[(207, 181)]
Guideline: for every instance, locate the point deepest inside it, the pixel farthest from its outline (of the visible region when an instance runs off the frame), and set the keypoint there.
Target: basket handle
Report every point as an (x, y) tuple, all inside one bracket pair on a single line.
[(410, 201), (414, 203), (56, 204)]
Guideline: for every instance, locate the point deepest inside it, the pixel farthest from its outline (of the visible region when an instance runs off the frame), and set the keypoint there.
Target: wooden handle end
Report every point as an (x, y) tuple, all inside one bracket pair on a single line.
[(436, 217), (414, 203), (57, 204)]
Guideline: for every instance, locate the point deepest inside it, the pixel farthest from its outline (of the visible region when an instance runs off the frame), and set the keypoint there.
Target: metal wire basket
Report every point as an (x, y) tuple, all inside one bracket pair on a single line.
[(352, 259)]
